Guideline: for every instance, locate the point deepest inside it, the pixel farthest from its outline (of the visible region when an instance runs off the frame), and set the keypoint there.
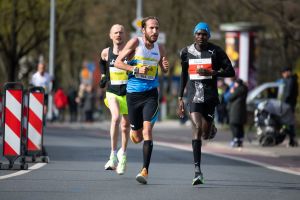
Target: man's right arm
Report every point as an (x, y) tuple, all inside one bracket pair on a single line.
[(183, 81), (103, 67), (184, 72), (103, 60), (126, 53)]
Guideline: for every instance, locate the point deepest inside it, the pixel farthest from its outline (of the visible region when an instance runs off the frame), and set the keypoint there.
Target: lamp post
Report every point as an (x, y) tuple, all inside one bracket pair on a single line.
[(51, 56)]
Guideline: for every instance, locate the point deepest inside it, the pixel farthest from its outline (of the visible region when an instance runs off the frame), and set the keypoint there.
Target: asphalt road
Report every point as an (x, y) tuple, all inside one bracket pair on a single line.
[(76, 171)]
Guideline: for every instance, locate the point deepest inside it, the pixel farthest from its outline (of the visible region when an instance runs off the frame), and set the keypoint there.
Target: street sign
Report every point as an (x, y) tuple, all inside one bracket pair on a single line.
[(137, 23)]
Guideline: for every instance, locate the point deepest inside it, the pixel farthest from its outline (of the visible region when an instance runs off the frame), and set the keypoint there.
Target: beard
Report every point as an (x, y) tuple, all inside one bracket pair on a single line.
[(148, 37), (119, 42)]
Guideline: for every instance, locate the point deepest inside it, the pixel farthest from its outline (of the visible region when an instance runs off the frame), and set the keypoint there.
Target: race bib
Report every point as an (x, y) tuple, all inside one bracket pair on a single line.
[(152, 65), (201, 63), (117, 76)]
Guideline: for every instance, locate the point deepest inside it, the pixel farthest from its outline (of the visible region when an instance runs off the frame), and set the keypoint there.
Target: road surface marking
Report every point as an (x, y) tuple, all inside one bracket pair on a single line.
[(21, 172), (188, 148)]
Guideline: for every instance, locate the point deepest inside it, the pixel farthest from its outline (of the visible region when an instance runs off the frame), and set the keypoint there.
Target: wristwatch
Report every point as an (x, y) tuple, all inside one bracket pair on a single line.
[(135, 70)]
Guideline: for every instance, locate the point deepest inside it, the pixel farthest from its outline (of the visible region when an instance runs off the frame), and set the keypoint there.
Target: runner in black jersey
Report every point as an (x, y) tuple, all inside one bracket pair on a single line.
[(202, 62), (115, 100)]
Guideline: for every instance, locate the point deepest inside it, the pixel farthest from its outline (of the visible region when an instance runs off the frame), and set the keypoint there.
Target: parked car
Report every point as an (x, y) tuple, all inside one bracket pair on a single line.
[(270, 90)]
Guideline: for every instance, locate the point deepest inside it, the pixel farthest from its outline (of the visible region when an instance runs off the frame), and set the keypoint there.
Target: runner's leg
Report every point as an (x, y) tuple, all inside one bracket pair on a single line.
[(115, 121), (125, 131), (148, 144), (197, 121)]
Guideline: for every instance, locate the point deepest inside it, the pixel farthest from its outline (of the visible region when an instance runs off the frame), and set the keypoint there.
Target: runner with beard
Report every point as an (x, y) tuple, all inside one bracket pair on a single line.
[(144, 55), (202, 62)]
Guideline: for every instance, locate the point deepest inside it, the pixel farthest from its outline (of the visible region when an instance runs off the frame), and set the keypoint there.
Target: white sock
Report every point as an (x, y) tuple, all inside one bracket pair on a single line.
[(122, 152), (114, 152)]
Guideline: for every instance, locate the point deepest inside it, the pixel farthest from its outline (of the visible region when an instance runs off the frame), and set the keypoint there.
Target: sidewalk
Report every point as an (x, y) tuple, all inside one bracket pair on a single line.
[(280, 157), (171, 133)]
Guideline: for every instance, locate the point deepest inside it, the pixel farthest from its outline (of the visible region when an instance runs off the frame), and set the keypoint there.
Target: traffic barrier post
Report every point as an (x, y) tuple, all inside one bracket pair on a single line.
[(35, 150), (1, 109), (12, 125)]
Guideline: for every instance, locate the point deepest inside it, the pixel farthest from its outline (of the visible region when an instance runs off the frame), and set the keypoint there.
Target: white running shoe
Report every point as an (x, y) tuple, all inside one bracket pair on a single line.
[(111, 163), (142, 176), (121, 168)]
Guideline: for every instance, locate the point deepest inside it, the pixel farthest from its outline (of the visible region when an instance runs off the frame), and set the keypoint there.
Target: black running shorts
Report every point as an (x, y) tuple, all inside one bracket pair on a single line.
[(207, 110), (142, 106)]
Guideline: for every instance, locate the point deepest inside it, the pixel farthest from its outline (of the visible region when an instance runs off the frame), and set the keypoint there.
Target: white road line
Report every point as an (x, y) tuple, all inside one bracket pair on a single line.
[(187, 148), (175, 146), (21, 172)]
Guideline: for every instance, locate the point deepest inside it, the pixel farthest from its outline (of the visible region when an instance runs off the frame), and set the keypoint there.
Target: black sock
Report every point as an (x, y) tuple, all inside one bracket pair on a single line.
[(197, 155), (147, 151)]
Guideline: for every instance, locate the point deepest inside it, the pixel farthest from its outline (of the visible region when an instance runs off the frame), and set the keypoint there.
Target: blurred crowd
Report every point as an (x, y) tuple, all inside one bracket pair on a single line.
[(74, 104)]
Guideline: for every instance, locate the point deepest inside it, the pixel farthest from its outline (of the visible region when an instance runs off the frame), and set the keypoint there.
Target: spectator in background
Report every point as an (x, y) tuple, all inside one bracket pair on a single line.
[(61, 103), (290, 95), (88, 103), (237, 111), (86, 81), (80, 101), (72, 94), (222, 114), (41, 78), (86, 77)]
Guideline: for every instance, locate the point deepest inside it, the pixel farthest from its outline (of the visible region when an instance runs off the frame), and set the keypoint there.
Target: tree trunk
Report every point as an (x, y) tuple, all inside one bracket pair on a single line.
[(13, 53)]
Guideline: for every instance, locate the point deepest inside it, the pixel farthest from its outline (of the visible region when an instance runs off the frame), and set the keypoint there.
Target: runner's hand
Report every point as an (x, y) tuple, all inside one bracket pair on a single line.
[(144, 69), (165, 64), (180, 108), (205, 72), (103, 82)]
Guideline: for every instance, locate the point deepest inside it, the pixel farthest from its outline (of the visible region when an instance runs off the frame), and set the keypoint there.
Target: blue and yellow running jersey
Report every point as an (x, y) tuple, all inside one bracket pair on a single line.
[(144, 56)]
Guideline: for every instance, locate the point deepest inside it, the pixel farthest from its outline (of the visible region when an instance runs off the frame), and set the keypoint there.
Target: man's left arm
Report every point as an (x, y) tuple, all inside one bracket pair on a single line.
[(225, 64), (226, 69), (164, 63)]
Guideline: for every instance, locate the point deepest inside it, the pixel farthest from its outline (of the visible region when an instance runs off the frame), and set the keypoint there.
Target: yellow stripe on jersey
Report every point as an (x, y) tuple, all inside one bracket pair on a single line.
[(118, 76)]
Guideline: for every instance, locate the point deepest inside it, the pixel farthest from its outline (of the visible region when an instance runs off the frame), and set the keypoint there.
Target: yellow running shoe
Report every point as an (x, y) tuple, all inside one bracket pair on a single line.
[(136, 138), (142, 176)]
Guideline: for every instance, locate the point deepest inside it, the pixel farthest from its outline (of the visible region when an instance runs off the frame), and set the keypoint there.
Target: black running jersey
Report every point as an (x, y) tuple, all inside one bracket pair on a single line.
[(117, 77), (203, 89)]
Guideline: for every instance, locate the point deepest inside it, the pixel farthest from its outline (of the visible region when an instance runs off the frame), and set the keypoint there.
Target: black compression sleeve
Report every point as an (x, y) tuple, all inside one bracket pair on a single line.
[(103, 68), (104, 71), (183, 79), (226, 66), (184, 72)]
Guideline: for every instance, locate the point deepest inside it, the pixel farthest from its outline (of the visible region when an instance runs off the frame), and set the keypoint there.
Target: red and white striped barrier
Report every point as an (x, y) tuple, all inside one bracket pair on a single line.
[(35, 121), (12, 122), (35, 151), (1, 109)]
